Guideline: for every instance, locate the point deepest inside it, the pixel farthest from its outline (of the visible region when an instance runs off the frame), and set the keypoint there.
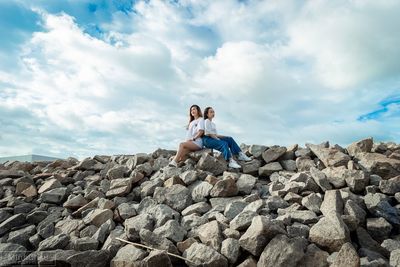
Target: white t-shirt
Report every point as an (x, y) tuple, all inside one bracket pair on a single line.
[(194, 127), (209, 127)]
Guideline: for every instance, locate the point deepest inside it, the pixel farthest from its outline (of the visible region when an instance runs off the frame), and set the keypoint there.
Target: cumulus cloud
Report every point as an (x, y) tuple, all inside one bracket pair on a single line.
[(275, 72)]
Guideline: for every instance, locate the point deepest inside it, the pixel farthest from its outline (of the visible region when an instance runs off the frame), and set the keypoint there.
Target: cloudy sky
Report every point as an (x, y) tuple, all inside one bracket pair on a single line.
[(79, 78)]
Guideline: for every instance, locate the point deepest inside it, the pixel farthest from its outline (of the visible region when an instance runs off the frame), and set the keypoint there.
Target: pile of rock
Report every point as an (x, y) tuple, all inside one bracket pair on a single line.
[(317, 205)]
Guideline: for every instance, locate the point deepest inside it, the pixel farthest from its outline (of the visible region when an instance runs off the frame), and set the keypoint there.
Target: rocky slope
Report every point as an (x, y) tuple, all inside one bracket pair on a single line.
[(317, 205)]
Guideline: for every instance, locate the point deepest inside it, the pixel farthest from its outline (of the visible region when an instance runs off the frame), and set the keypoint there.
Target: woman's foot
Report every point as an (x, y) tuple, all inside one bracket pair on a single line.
[(243, 156), (233, 164)]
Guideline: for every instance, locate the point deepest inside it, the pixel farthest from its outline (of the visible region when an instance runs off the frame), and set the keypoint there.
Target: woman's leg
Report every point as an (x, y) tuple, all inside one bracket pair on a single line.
[(185, 148), (235, 149), (219, 145)]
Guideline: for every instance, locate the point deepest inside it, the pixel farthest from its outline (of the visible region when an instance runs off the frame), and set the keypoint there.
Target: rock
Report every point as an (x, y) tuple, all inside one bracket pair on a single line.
[(367, 242), (210, 234), (84, 243), (379, 164), (126, 210), (353, 209), (391, 244), (171, 230), (230, 248), (304, 163), (224, 188), (56, 195), (128, 255), (211, 164), (257, 150), (21, 236), (198, 208), (200, 190), (251, 167), (332, 201), (177, 196), (298, 229), (330, 232), (260, 232), (234, 208), (75, 202), (189, 177), (273, 153), (379, 228), (289, 165), (54, 242), (153, 240), (269, 168), (364, 145), (11, 222), (390, 186), (48, 185), (242, 220), (381, 208), (336, 176), (312, 202), (347, 256), (395, 258), (315, 257), (135, 224), (203, 255), (246, 183), (119, 187), (282, 251), (90, 258), (12, 254), (356, 180), (320, 178), (117, 172), (98, 216), (331, 157), (157, 258), (301, 216), (184, 245)]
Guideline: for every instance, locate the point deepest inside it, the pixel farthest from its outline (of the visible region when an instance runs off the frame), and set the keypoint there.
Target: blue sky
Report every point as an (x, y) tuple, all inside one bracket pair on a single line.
[(79, 78)]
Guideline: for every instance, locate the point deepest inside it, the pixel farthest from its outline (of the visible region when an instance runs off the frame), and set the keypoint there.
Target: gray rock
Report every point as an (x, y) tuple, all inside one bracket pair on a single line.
[(315, 257), (379, 164), (197, 208), (84, 243), (289, 165), (356, 180), (135, 224), (21, 236), (332, 201), (48, 185), (347, 256), (203, 255), (157, 258), (331, 157), (395, 258), (246, 183), (210, 234), (103, 231), (128, 254), (90, 258), (12, 254), (367, 242), (211, 164), (126, 210), (390, 186), (177, 196), (117, 172), (171, 230), (189, 177), (257, 150), (153, 240), (200, 190), (119, 187), (54, 242), (273, 153), (391, 244), (251, 167), (364, 145), (234, 208), (13, 221), (230, 248), (260, 232), (336, 176), (269, 168), (224, 188), (379, 228), (330, 232), (162, 213), (282, 251), (56, 195), (351, 208), (98, 216), (312, 202), (243, 220), (320, 178), (381, 208), (75, 202)]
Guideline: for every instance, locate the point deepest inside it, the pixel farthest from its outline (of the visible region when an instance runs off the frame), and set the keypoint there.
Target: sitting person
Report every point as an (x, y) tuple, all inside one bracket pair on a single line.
[(225, 144), (194, 142)]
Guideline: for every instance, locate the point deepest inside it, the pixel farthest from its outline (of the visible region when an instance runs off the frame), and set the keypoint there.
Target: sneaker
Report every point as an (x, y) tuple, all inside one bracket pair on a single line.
[(243, 156), (173, 163), (234, 164)]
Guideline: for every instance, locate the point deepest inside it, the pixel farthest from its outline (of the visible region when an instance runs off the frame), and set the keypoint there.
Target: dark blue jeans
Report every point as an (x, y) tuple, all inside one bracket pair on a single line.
[(226, 145)]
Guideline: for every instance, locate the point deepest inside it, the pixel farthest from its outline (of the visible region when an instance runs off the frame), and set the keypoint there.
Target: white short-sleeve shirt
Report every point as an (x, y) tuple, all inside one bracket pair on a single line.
[(193, 129), (209, 127)]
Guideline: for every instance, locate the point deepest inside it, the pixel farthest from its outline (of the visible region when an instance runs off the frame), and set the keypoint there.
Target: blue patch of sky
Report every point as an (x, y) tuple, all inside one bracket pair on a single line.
[(385, 105)]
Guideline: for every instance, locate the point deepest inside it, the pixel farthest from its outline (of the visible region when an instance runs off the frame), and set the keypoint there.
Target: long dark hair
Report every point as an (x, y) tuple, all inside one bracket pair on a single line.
[(206, 112), (191, 118)]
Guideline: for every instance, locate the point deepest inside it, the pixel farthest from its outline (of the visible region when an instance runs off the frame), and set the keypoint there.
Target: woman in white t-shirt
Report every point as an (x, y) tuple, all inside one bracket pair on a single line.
[(225, 144), (195, 130)]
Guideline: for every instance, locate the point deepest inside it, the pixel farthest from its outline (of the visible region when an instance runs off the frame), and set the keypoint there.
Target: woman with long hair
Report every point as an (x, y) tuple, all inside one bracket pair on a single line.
[(195, 131), (225, 144)]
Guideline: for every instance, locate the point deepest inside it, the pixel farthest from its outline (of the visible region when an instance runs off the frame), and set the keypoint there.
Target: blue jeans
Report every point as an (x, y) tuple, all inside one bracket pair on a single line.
[(226, 145)]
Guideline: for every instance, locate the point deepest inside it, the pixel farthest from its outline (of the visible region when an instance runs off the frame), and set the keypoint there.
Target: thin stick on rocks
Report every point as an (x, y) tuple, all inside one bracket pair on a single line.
[(143, 246)]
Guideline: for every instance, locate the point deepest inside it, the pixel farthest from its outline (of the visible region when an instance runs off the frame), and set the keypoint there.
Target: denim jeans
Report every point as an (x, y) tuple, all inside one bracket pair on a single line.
[(226, 145)]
